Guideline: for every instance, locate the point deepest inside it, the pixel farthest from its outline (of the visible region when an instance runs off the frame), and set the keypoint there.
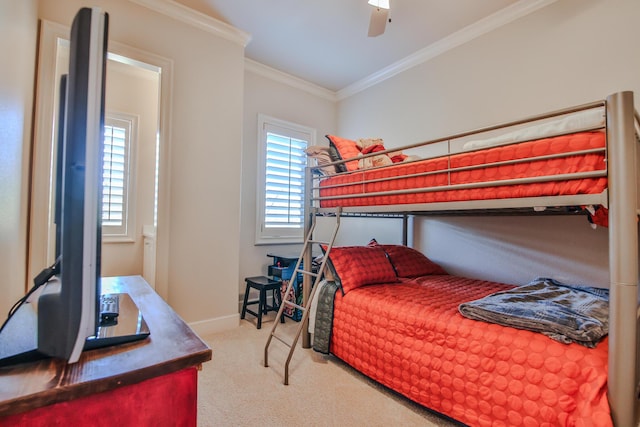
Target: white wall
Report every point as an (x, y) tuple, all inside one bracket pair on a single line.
[(18, 29), (571, 52), (133, 90), (270, 96), (198, 235)]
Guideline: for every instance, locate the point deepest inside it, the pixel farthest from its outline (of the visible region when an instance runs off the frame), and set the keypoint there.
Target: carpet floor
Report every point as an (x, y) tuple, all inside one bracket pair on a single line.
[(235, 389)]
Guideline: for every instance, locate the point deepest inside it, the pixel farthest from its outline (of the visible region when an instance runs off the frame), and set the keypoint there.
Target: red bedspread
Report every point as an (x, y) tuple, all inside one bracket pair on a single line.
[(410, 337), (433, 173)]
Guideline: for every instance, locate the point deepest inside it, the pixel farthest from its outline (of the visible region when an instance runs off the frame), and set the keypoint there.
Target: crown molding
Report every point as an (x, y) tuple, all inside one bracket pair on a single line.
[(209, 24), (196, 19), (288, 79), (475, 30)]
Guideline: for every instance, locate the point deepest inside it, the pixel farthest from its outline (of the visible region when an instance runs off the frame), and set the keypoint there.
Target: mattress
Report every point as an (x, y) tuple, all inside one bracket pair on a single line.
[(488, 171), (410, 337)]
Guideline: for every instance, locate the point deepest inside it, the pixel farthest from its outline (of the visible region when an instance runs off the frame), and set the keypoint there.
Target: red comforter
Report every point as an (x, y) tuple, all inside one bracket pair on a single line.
[(410, 337), (529, 158)]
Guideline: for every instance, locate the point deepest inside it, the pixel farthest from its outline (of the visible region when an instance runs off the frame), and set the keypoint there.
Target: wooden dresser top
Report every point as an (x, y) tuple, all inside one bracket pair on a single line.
[(172, 346)]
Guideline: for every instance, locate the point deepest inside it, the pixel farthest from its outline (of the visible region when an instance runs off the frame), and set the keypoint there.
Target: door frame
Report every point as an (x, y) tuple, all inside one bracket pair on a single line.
[(40, 253)]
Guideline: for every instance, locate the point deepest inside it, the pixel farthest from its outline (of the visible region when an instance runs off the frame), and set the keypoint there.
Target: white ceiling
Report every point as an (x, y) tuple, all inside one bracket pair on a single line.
[(325, 41)]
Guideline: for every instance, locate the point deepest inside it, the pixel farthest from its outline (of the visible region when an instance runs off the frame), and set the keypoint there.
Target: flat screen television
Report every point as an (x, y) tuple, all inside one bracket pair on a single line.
[(69, 317), (68, 308)]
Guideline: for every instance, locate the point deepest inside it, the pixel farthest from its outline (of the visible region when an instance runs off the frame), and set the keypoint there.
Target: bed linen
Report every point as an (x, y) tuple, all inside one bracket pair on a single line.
[(441, 175), (410, 337), (582, 120), (565, 313), (321, 316)]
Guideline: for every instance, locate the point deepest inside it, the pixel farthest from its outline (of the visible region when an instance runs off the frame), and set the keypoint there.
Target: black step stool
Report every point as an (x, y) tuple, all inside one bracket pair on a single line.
[(262, 284)]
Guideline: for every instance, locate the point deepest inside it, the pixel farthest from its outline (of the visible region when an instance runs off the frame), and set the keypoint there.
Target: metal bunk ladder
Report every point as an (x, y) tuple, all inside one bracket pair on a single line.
[(317, 275)]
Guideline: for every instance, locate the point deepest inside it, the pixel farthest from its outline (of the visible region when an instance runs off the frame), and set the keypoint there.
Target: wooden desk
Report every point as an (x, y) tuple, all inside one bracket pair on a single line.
[(112, 376)]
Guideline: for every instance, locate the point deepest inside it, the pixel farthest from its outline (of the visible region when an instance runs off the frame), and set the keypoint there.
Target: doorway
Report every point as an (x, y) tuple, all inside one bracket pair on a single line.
[(137, 106)]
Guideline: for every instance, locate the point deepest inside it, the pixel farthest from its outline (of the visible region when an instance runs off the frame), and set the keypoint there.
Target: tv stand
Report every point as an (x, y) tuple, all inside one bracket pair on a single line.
[(19, 341), (150, 381)]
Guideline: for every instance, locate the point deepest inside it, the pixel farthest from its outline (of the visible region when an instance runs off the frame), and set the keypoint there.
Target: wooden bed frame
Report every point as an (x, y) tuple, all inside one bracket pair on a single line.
[(621, 199)]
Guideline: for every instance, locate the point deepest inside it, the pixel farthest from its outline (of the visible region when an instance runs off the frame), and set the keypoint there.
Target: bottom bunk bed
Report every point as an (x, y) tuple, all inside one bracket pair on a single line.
[(395, 316), (472, 372)]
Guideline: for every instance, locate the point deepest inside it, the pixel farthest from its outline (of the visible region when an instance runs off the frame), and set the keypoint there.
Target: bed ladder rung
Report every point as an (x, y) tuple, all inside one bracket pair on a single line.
[(281, 339), (306, 250), (320, 242), (293, 304)]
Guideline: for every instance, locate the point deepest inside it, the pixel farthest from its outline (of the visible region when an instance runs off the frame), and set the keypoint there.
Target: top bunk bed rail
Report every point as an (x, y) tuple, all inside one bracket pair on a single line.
[(501, 126), (443, 178)]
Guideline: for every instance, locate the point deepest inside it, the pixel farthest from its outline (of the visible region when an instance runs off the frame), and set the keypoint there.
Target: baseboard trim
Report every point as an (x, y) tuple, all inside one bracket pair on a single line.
[(219, 324)]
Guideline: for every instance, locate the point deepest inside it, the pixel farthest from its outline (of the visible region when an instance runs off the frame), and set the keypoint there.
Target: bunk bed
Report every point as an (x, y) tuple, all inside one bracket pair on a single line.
[(570, 166)]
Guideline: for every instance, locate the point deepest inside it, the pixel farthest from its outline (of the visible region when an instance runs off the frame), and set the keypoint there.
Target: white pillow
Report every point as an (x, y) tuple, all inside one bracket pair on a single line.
[(577, 121)]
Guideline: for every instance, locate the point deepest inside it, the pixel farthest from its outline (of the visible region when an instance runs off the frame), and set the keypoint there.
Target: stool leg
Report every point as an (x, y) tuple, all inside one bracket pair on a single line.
[(261, 303), (244, 302), (265, 304)]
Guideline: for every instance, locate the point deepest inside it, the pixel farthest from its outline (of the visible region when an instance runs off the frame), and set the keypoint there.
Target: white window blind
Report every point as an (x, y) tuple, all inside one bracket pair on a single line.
[(281, 181), (284, 181), (115, 145), (119, 131)]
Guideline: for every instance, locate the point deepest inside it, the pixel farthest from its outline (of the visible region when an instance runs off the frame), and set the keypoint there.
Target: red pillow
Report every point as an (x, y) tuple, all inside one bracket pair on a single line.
[(408, 262), (347, 149), (356, 266)]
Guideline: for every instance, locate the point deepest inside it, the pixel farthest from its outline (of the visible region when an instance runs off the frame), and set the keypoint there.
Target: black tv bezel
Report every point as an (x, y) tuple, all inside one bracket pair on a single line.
[(68, 311)]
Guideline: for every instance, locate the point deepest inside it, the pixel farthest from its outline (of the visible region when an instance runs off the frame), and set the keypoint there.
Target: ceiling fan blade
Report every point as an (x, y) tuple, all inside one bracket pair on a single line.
[(378, 21)]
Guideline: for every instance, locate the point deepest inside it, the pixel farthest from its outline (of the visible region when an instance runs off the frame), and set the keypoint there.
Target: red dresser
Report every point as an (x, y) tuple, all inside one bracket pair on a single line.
[(148, 382)]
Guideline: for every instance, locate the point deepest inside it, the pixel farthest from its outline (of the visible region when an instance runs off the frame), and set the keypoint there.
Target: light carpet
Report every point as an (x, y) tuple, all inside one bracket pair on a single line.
[(235, 389)]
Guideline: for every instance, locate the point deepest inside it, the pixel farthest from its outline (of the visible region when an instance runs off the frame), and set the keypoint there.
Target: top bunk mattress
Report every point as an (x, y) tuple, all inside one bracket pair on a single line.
[(572, 164)]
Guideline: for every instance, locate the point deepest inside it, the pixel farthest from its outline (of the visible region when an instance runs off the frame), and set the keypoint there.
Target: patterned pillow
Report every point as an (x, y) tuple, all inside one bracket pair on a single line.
[(408, 262), (346, 149), (355, 266)]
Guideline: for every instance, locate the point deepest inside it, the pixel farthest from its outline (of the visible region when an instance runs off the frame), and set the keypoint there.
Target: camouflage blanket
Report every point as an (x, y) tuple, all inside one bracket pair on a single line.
[(324, 317)]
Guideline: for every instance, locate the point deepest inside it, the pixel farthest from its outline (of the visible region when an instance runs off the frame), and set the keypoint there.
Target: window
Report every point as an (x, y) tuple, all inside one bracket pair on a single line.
[(282, 160), (117, 209)]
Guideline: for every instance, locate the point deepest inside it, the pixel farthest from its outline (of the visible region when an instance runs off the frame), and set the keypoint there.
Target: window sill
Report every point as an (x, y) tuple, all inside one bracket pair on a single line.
[(118, 239), (279, 241)]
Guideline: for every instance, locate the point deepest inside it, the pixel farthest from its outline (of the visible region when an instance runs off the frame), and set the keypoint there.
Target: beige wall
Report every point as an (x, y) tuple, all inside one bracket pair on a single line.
[(570, 52), (276, 99), (18, 27), (284, 98), (134, 91), (198, 232)]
